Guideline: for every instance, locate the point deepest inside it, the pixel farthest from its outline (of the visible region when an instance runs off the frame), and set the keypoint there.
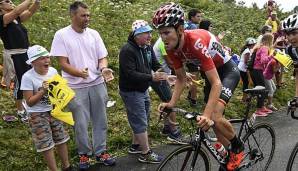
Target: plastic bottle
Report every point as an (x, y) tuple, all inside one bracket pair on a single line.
[(221, 149)]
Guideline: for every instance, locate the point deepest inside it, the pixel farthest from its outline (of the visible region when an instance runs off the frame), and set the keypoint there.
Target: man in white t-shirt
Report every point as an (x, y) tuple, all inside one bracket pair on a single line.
[(82, 56)]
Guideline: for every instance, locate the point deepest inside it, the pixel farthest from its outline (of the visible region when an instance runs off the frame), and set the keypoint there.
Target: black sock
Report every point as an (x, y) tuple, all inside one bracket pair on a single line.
[(236, 145)]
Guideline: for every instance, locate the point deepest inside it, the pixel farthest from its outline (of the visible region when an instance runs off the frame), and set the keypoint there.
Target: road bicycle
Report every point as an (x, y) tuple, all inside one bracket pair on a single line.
[(293, 160), (259, 142)]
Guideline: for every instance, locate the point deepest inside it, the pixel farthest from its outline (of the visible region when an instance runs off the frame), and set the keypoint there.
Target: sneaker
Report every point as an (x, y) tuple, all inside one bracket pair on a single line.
[(235, 160), (266, 110), (259, 112), (176, 137), (150, 157), (273, 108), (165, 130), (23, 116), (106, 159), (135, 149), (84, 161), (70, 168), (192, 102)]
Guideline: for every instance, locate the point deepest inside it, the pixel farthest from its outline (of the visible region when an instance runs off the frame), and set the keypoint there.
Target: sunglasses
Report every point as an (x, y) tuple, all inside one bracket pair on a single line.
[(6, 1)]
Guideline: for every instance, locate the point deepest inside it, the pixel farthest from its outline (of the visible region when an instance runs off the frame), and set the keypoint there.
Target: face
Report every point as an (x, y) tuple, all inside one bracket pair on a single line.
[(81, 18), (143, 39), (169, 36), (197, 18), (6, 5), (41, 65), (292, 37)]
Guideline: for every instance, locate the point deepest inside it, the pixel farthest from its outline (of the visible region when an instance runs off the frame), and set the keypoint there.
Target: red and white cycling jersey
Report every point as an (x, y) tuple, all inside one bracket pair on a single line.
[(201, 48)]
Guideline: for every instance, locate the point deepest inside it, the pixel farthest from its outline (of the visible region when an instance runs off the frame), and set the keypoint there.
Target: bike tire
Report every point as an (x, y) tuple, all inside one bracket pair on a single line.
[(293, 159), (255, 145), (174, 161)]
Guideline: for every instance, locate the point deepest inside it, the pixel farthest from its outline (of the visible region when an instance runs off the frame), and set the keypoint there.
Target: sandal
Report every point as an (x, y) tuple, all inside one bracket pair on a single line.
[(9, 118)]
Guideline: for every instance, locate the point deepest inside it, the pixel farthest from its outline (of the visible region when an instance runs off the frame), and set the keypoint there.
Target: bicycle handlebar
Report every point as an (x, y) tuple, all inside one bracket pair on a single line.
[(292, 106), (187, 115)]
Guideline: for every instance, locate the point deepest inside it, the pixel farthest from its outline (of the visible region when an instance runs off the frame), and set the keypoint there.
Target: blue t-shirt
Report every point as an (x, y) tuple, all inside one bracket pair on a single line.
[(190, 25)]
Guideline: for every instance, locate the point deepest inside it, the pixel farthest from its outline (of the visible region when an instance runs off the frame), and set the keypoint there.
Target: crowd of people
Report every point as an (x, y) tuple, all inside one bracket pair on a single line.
[(185, 51)]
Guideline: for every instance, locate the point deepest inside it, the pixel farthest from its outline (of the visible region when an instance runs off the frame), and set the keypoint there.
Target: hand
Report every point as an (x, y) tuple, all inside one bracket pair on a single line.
[(171, 79), (159, 76), (204, 122), (107, 74), (84, 73), (162, 106), (45, 86)]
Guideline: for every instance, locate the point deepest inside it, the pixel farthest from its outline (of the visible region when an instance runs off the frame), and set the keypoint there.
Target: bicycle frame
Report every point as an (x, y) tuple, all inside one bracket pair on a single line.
[(201, 138)]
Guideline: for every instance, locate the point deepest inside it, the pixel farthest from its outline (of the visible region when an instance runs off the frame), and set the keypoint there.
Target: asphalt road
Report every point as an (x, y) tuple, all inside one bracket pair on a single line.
[(286, 137)]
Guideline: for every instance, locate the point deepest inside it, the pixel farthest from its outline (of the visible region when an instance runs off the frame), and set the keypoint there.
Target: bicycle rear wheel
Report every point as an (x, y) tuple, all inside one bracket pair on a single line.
[(181, 158), (293, 160), (259, 147)]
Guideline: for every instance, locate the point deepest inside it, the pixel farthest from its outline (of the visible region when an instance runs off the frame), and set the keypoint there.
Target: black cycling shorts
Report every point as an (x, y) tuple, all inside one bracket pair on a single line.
[(192, 67), (229, 76)]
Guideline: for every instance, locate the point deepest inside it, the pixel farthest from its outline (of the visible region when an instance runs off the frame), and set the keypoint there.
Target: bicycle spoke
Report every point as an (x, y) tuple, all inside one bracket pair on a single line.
[(259, 147)]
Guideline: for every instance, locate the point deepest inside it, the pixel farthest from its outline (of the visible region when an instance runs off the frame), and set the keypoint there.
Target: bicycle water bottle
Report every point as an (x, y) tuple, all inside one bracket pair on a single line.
[(221, 149)]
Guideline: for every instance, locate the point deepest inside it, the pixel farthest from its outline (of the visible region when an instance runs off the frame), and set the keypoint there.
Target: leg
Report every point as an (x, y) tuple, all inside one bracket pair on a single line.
[(79, 106), (142, 138), (49, 157), (63, 154), (98, 99)]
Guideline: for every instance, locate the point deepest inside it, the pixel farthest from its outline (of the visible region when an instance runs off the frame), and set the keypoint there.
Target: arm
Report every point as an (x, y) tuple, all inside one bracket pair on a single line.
[(179, 86), (32, 9), (246, 57), (102, 63), (32, 99), (16, 12), (155, 64), (264, 55), (215, 91), (128, 63), (66, 67)]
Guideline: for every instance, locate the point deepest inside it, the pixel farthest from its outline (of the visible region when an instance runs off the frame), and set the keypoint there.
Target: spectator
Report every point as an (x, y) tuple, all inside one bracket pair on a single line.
[(136, 62), (47, 132), (242, 66), (82, 56), (273, 22), (265, 29), (263, 51), (163, 90), (194, 18), (15, 39), (206, 25)]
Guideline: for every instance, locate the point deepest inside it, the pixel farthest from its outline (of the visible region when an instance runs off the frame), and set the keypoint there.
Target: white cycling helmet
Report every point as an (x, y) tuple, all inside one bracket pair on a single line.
[(250, 41), (290, 23), (168, 15)]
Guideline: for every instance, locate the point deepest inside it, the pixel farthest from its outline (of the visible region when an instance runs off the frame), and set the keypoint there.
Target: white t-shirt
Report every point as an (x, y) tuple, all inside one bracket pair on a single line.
[(242, 65), (31, 80), (83, 50)]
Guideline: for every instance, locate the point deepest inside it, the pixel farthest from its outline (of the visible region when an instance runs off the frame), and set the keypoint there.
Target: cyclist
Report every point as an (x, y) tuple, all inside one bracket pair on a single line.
[(201, 47), (290, 27)]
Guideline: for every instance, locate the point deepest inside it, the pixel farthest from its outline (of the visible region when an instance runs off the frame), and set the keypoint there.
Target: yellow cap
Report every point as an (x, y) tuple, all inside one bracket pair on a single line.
[(284, 59)]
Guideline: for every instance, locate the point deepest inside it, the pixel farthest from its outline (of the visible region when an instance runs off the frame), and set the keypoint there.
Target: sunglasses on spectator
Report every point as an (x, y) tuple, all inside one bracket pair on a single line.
[(6, 1)]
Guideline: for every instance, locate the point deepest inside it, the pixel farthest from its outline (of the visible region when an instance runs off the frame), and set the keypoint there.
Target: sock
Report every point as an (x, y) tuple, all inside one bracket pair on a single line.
[(135, 146), (236, 145)]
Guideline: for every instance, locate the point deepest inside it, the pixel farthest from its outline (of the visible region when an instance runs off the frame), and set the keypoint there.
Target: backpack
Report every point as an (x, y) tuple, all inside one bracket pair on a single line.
[(251, 61)]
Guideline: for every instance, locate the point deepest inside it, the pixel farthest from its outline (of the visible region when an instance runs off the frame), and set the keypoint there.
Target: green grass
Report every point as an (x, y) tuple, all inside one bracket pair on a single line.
[(113, 20)]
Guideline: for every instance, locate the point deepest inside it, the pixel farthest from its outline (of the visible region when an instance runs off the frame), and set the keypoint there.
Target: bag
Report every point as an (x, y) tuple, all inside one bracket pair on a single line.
[(251, 61)]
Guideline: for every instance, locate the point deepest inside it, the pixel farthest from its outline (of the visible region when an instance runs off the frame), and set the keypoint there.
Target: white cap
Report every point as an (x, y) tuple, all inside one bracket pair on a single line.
[(35, 52)]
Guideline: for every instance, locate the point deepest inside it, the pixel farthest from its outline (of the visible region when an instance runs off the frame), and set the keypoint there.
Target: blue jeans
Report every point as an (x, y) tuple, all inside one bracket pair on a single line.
[(137, 106)]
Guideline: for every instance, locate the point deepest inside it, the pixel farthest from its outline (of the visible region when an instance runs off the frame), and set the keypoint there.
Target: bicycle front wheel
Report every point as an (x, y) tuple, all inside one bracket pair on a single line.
[(259, 146), (293, 160), (181, 159)]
